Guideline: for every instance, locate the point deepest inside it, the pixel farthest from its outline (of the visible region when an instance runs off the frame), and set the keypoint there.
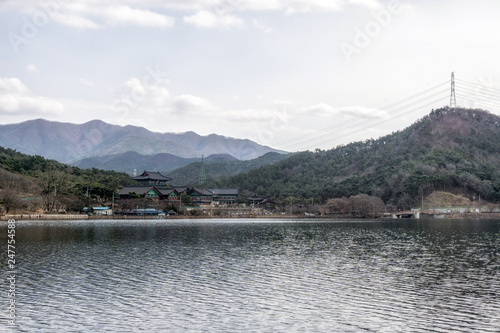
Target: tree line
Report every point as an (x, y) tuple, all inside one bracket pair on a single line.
[(38, 183)]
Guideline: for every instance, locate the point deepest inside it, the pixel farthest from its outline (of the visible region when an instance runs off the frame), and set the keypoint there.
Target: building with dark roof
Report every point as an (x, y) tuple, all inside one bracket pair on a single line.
[(256, 200), (224, 196), (201, 196), (148, 178), (153, 185), (136, 192), (170, 194)]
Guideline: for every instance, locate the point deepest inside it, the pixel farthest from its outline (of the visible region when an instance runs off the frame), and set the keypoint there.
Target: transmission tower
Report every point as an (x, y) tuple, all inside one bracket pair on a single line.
[(203, 177), (453, 99)]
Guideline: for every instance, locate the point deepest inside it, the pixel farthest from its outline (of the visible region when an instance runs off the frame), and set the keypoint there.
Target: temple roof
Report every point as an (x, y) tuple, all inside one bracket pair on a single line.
[(223, 191), (200, 191), (255, 198), (167, 191), (139, 190), (151, 175), (180, 189)]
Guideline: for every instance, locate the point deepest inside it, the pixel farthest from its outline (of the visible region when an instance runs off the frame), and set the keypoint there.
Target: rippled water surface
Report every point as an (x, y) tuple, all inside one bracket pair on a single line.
[(256, 276)]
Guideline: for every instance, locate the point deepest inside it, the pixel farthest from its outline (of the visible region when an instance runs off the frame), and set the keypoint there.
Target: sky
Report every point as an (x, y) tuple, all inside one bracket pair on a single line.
[(291, 74)]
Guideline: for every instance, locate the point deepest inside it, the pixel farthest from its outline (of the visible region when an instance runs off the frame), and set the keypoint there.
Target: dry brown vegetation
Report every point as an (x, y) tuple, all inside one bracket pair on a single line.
[(445, 199)]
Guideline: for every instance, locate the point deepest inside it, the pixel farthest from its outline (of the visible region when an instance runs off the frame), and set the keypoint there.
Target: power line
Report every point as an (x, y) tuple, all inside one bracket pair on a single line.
[(405, 106), (381, 121), (372, 117)]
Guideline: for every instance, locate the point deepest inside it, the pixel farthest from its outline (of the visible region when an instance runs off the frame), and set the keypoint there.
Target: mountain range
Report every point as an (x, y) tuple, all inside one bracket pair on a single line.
[(71, 143), (453, 150)]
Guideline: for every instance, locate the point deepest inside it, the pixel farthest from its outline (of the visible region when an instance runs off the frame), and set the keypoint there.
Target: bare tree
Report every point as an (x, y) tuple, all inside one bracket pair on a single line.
[(10, 200)]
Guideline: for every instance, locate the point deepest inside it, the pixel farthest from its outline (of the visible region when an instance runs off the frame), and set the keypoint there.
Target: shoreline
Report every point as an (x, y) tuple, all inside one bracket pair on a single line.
[(80, 217)]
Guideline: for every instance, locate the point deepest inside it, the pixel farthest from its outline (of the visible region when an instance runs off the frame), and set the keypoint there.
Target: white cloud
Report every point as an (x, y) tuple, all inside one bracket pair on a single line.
[(192, 104), (320, 110), (92, 14), (372, 4), (12, 85), (246, 115), (312, 5), (363, 112), (15, 98), (325, 110), (84, 15), (32, 68), (123, 15), (261, 26), (87, 83), (76, 21), (207, 19)]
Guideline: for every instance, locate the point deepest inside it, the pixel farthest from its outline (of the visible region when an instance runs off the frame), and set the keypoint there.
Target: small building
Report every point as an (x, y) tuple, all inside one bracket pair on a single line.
[(255, 199), (101, 211), (144, 212), (268, 203)]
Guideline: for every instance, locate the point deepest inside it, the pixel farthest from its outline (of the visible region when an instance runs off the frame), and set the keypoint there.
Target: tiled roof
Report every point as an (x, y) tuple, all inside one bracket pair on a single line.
[(255, 198), (139, 190), (223, 191), (201, 191), (147, 175), (181, 189), (167, 191)]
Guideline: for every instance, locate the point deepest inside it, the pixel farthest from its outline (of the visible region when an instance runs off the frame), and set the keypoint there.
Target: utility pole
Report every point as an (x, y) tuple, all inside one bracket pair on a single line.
[(453, 99)]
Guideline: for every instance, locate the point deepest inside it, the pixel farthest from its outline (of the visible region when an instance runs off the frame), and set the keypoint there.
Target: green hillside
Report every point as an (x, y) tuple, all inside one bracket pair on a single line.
[(220, 166), (453, 150), (38, 184)]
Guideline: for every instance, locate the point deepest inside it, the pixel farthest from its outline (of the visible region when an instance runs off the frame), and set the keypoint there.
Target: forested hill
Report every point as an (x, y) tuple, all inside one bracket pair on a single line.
[(51, 184), (456, 150), (218, 167)]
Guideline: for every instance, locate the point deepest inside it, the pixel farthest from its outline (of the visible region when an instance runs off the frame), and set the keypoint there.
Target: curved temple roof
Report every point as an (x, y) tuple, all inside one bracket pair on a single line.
[(151, 175)]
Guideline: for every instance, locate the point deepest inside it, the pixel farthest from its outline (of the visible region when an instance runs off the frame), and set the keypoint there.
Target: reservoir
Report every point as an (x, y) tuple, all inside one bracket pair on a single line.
[(255, 275)]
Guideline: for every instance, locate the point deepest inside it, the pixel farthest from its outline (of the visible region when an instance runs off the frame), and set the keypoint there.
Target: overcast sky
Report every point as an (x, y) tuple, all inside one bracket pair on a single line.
[(291, 74)]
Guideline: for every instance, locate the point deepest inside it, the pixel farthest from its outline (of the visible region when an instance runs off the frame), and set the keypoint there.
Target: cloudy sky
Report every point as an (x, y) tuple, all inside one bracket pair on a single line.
[(291, 74)]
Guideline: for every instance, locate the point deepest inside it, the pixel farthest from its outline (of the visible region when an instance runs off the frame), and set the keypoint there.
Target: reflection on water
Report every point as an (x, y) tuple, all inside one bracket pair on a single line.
[(257, 275)]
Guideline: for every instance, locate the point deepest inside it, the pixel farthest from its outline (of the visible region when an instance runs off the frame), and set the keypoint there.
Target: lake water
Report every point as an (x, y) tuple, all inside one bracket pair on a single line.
[(249, 275)]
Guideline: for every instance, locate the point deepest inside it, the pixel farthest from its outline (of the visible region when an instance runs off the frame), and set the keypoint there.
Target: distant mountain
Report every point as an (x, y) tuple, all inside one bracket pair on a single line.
[(68, 143), (131, 162), (452, 149), (220, 166), (182, 170)]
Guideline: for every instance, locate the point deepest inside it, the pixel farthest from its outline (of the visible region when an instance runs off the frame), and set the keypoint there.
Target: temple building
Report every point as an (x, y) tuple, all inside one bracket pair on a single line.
[(224, 196), (154, 186)]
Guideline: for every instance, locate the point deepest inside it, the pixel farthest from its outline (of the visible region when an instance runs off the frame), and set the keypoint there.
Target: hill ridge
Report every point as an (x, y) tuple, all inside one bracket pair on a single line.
[(455, 150)]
